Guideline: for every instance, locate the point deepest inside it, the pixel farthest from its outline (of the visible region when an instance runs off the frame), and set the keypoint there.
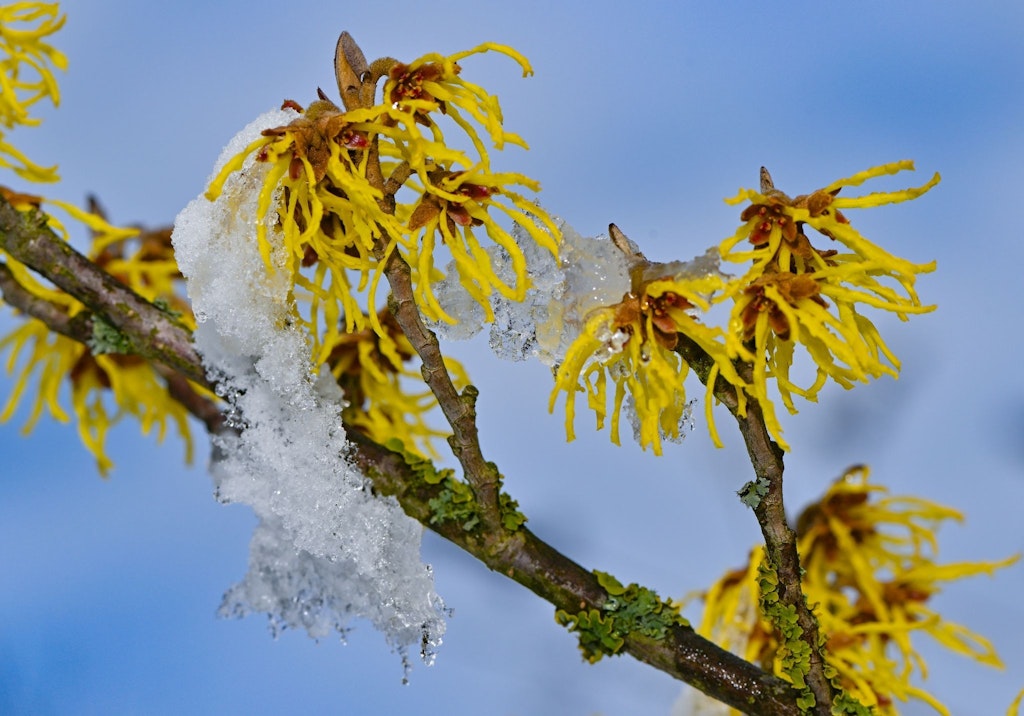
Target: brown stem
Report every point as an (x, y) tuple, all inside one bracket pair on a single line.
[(459, 408), (27, 238), (780, 540), (78, 328), (202, 407)]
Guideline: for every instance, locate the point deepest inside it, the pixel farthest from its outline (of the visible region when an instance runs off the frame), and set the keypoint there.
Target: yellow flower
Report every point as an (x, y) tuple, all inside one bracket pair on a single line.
[(343, 214), (135, 387), (433, 82), (1014, 708), (375, 381), (633, 343), (27, 62), (451, 206), (796, 293), (870, 571)]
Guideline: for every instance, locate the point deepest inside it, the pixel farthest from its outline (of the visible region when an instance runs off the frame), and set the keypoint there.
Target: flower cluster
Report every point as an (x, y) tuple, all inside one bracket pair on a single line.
[(870, 571), (352, 187), (793, 293), (374, 378), (796, 293), (27, 64)]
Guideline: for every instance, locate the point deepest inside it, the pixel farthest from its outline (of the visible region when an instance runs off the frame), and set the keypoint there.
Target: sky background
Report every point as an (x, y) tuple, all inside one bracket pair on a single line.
[(647, 117)]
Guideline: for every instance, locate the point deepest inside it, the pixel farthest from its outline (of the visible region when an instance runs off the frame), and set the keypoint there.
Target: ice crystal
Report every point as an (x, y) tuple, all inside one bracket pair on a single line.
[(326, 549)]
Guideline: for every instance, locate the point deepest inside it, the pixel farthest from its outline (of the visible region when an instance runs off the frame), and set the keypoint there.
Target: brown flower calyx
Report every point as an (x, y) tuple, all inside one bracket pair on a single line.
[(408, 85), (20, 201), (774, 212), (312, 133), (792, 287), (431, 205), (654, 311), (348, 360), (637, 306), (87, 369)]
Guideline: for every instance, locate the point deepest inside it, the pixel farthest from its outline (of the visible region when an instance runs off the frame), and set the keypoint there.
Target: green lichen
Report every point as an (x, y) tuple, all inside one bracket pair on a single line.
[(753, 492), (455, 501), (107, 339), (843, 703), (511, 518), (794, 653), (421, 467), (165, 307), (628, 610)]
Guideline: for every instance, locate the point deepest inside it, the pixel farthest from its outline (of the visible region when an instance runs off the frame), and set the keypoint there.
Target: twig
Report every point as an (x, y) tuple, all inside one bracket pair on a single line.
[(780, 540), (78, 328), (357, 84), (459, 409), (27, 238)]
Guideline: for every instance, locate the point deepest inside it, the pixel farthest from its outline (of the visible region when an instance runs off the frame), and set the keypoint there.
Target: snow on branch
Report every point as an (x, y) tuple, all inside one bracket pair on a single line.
[(326, 549)]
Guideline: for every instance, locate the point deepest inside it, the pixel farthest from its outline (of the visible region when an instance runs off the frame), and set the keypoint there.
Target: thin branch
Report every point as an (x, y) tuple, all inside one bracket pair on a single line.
[(358, 85), (27, 238), (78, 328), (204, 408), (780, 540), (459, 408)]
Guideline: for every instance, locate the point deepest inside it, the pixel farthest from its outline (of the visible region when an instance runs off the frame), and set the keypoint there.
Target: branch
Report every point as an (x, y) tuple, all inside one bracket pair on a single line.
[(525, 558), (77, 328), (459, 409), (780, 540), (28, 239)]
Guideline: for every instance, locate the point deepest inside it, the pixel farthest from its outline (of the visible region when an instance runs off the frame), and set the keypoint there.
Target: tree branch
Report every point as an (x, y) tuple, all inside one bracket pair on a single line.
[(780, 540), (459, 409), (28, 239), (525, 558), (77, 328)]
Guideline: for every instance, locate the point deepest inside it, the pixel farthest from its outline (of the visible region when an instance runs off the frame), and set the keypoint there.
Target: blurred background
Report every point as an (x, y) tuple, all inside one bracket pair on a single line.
[(647, 116)]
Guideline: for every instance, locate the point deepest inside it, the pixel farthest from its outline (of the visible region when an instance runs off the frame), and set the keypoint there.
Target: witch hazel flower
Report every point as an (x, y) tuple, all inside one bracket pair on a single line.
[(796, 293)]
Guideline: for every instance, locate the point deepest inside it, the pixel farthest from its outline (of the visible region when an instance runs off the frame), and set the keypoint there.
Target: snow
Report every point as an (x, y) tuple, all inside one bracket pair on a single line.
[(326, 550), (588, 273)]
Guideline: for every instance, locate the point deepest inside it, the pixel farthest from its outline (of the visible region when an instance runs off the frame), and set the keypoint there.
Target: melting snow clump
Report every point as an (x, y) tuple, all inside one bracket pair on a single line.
[(326, 549)]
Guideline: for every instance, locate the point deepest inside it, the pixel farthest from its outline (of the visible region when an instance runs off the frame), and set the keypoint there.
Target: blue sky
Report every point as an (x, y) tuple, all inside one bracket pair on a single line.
[(647, 117)]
